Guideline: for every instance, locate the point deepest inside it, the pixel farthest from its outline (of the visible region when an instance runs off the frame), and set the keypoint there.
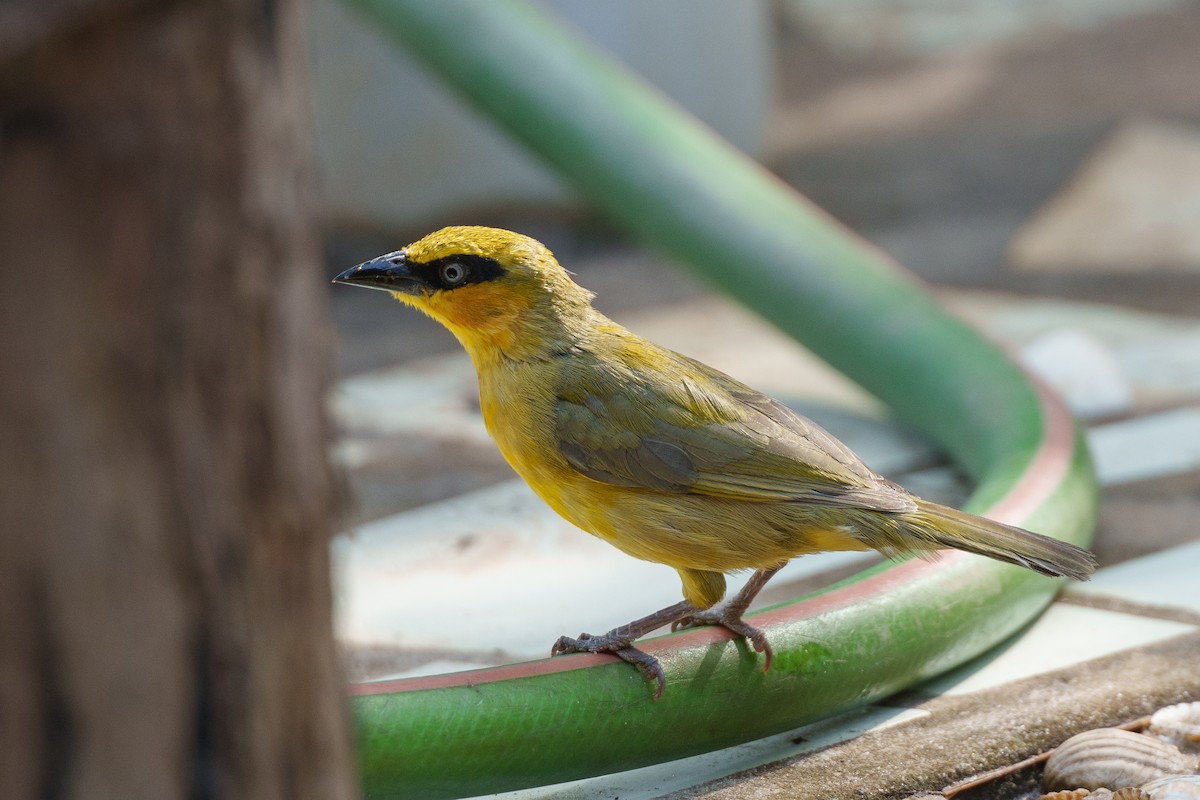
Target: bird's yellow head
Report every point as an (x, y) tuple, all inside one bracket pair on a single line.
[(500, 293)]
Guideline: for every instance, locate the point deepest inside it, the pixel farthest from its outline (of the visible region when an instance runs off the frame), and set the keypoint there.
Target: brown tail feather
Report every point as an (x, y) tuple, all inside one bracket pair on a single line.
[(948, 527)]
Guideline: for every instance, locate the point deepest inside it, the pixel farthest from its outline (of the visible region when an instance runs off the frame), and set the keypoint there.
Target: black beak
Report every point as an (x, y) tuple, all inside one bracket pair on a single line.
[(389, 273)]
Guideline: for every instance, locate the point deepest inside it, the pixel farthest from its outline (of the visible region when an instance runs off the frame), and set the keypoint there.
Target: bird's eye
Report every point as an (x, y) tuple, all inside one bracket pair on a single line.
[(453, 273)]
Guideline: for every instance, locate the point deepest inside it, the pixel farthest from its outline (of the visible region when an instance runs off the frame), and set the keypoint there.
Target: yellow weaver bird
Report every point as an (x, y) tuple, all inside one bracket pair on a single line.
[(663, 457)]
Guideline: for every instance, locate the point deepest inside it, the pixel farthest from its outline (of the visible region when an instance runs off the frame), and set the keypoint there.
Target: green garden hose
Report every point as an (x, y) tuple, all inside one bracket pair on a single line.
[(668, 180)]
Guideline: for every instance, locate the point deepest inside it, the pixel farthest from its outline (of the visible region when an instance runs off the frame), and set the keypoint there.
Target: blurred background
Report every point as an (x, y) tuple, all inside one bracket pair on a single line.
[(1037, 162), (1037, 147)]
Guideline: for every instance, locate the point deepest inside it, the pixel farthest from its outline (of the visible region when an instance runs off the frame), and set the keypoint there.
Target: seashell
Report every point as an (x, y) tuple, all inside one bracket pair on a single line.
[(1130, 793), (1112, 757), (1178, 724), (1174, 787)]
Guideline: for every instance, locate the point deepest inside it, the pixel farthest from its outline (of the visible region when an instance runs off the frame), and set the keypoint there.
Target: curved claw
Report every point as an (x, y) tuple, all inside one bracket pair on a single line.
[(647, 665), (734, 624), (566, 644), (618, 646)]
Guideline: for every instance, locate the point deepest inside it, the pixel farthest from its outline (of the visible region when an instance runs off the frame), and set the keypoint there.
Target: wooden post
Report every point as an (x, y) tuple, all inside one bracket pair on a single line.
[(165, 623)]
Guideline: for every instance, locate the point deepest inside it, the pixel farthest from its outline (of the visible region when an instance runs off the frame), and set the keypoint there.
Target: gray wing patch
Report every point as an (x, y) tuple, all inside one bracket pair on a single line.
[(744, 446), (650, 465)]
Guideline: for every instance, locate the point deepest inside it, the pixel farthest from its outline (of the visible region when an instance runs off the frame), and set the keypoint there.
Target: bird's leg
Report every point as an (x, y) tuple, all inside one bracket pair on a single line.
[(619, 642), (730, 615)]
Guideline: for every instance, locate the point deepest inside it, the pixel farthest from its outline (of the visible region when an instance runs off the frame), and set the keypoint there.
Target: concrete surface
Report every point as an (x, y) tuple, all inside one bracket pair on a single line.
[(1132, 206), (924, 27)]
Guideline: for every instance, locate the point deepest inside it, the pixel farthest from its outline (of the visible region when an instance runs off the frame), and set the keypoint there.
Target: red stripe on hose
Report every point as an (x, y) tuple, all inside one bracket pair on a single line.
[(1049, 465)]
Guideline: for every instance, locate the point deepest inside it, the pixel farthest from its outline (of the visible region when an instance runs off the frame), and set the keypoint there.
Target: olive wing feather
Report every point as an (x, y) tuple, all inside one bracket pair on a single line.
[(688, 428)]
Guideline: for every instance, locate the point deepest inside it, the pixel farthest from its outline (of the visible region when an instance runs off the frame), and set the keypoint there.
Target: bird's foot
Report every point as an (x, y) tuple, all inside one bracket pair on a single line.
[(619, 646), (733, 622)]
